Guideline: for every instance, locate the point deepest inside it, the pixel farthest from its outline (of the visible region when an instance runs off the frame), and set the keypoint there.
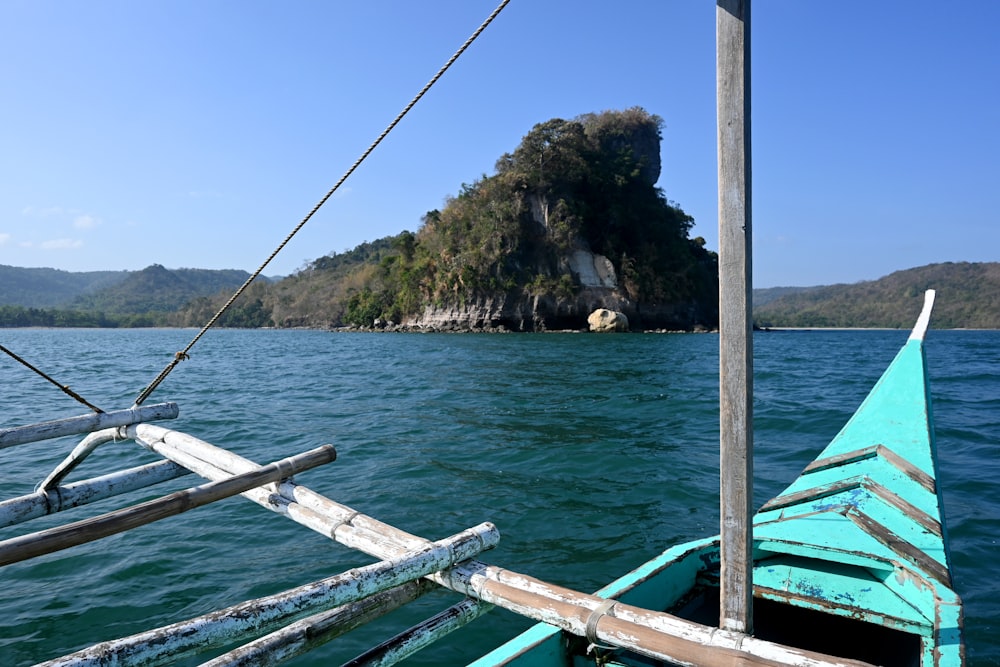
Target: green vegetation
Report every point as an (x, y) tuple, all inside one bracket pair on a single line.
[(156, 289), (151, 297), (51, 288), (966, 298), (19, 316)]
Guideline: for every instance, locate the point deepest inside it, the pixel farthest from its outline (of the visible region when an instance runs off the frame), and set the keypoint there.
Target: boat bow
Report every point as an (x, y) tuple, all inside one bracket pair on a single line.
[(860, 532)]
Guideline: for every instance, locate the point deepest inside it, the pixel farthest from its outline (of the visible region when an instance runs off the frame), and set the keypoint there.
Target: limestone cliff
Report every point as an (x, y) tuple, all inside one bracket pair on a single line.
[(540, 312)]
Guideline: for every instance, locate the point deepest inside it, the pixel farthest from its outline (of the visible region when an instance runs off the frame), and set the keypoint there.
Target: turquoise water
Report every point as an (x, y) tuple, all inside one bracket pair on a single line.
[(590, 453)]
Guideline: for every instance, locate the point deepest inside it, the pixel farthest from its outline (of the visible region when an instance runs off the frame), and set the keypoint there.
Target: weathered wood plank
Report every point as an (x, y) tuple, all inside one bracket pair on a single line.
[(58, 428), (735, 325), (62, 537)]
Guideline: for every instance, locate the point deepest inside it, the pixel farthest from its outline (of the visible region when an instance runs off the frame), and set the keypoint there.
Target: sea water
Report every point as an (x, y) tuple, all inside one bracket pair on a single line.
[(591, 454)]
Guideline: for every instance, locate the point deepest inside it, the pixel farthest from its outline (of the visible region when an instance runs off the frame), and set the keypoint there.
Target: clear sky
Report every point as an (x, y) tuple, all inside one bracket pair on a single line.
[(197, 133)]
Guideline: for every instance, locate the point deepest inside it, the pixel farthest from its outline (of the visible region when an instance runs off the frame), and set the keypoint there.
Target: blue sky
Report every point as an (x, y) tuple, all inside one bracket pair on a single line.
[(198, 133)]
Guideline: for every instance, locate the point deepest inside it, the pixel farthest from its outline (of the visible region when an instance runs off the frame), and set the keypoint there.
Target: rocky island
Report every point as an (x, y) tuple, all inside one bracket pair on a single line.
[(571, 222)]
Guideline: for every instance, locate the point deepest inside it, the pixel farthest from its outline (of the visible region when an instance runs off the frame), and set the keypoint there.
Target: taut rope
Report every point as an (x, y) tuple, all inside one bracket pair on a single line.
[(183, 354), (65, 388)]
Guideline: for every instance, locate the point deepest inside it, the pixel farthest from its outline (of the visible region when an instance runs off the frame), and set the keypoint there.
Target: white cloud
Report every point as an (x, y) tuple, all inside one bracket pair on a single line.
[(85, 222), (4, 238), (61, 244)]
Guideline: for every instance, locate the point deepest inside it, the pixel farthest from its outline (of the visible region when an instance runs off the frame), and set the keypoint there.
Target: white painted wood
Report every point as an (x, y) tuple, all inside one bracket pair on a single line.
[(735, 318), (920, 328), (344, 524), (314, 631), (41, 503), (251, 618), (421, 636), (96, 421), (20, 548), (76, 457)]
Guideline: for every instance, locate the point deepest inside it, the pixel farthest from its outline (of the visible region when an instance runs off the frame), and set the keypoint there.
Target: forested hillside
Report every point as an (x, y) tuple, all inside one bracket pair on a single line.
[(150, 297), (158, 289), (966, 298), (46, 288)]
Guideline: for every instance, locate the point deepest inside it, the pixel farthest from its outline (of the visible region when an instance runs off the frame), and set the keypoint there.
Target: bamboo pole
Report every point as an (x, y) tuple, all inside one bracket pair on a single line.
[(660, 635), (420, 636), (657, 635), (254, 617), (20, 435), (55, 539), (76, 457), (735, 317), (59, 498), (315, 511), (314, 631)]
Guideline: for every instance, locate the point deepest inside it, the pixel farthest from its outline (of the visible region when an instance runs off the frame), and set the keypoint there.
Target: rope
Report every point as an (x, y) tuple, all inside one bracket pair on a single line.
[(65, 388), (603, 609), (183, 354)]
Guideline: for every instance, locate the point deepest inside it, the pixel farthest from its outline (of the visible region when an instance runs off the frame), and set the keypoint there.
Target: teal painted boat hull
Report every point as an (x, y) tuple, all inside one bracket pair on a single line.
[(850, 560)]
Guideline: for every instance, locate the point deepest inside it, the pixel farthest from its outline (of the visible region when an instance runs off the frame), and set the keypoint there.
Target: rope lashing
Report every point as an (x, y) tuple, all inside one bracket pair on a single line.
[(166, 371), (603, 609), (65, 388)]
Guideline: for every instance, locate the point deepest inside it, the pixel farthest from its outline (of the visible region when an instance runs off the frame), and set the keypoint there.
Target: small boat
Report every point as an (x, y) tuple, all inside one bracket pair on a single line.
[(850, 560)]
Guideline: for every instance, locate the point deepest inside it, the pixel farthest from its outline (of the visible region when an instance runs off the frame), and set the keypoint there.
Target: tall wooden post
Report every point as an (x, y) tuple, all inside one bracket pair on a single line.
[(735, 324)]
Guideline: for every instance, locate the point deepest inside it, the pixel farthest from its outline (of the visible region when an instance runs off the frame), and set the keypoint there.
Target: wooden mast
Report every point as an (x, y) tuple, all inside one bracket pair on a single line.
[(735, 300)]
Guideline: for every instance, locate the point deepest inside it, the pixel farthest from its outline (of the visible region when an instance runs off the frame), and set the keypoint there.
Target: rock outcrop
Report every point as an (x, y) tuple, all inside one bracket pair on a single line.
[(603, 320), (592, 270)]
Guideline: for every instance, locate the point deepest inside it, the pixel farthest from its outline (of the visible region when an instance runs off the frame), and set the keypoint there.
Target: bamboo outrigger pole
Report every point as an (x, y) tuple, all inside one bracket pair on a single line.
[(735, 301), (21, 548), (86, 423)]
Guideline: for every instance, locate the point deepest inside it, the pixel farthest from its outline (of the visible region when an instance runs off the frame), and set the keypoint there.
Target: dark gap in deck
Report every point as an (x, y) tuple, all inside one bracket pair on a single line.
[(798, 627), (813, 630)]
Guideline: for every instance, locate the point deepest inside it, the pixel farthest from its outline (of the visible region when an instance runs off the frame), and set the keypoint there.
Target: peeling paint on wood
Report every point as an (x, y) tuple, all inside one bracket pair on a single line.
[(41, 503), (20, 435)]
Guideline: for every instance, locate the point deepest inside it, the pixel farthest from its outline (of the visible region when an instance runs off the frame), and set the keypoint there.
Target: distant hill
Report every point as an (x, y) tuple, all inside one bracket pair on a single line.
[(966, 298), (153, 289), (158, 289), (47, 288), (768, 294)]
